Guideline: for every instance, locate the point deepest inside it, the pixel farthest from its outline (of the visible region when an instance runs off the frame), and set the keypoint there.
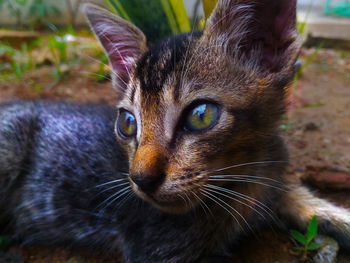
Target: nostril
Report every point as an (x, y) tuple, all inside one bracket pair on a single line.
[(148, 183)]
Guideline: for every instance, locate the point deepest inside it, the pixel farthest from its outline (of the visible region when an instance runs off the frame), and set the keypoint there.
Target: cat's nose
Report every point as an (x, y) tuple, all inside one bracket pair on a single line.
[(148, 183)]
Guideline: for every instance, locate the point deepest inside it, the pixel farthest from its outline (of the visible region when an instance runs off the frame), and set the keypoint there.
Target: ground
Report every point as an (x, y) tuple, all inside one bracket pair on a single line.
[(316, 129)]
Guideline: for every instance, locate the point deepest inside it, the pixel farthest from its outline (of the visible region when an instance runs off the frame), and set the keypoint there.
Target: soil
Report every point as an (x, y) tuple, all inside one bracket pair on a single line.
[(316, 129)]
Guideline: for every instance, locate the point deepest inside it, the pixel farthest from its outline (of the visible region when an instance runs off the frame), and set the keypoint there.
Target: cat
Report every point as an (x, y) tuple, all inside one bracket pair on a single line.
[(188, 161)]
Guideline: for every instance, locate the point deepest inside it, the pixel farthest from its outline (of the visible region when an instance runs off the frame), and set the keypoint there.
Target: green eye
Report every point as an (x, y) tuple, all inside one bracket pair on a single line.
[(126, 125), (202, 117)]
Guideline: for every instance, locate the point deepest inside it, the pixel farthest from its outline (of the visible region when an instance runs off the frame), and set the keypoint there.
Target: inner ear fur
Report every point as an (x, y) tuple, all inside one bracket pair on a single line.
[(123, 42)]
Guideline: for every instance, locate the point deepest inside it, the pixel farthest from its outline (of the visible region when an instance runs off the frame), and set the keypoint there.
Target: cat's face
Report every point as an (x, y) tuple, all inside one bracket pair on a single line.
[(193, 104)]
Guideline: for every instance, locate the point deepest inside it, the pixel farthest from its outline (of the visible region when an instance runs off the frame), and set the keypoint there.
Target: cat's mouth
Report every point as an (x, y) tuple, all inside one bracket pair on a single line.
[(173, 203)]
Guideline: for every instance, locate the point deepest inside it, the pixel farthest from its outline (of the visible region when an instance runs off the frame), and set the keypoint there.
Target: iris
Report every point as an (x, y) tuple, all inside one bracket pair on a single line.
[(126, 125), (201, 117)]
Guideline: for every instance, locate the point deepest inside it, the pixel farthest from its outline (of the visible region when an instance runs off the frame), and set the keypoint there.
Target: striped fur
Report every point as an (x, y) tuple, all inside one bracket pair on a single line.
[(76, 183)]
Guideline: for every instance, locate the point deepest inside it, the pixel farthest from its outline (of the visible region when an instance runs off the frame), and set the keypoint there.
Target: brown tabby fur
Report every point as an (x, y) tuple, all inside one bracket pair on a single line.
[(243, 61), (65, 179)]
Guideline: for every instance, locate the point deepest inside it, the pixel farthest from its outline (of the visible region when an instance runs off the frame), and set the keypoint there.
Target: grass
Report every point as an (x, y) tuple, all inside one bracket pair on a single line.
[(306, 241), (301, 29), (304, 65), (58, 50)]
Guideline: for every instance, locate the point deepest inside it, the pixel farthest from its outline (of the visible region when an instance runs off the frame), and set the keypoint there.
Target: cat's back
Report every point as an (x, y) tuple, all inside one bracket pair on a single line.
[(41, 139), (55, 119)]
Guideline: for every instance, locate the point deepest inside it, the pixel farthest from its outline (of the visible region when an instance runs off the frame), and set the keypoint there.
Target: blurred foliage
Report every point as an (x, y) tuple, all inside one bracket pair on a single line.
[(58, 50), (15, 8), (301, 26), (37, 11), (172, 13), (16, 61), (208, 6), (40, 9)]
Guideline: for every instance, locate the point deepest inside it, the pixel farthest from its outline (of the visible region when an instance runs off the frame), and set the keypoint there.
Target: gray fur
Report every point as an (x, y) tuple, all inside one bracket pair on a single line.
[(57, 160)]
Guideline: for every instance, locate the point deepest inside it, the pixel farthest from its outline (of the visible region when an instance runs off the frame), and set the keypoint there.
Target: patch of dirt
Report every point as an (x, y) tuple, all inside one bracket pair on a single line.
[(316, 130)]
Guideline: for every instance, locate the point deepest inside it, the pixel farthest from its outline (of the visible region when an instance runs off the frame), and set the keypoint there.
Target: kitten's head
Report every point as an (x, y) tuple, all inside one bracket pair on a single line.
[(195, 103)]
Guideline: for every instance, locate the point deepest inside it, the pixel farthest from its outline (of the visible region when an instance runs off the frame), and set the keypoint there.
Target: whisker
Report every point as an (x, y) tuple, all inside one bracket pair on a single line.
[(98, 61), (213, 197), (248, 181), (94, 74), (116, 198), (201, 203), (246, 176), (118, 194), (123, 201), (112, 187), (235, 199), (189, 200), (179, 195), (111, 182), (244, 220), (264, 207), (246, 164), (106, 65)]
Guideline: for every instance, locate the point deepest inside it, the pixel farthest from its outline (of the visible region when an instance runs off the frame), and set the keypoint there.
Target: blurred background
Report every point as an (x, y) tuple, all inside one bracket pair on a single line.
[(48, 52), (46, 43)]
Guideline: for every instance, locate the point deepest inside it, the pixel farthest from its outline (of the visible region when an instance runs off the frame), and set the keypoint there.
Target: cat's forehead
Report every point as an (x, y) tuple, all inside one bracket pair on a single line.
[(163, 66), (181, 69)]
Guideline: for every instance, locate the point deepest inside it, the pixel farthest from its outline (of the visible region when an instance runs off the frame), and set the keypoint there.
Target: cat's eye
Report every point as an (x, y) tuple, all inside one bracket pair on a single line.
[(201, 117), (126, 125)]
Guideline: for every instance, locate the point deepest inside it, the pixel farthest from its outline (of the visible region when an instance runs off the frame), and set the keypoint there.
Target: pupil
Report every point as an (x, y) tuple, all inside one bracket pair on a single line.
[(200, 112), (126, 124), (129, 122)]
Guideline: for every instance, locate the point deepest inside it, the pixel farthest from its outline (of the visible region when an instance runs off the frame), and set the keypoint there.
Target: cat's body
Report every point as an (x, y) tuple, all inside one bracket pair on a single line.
[(62, 152), (197, 142)]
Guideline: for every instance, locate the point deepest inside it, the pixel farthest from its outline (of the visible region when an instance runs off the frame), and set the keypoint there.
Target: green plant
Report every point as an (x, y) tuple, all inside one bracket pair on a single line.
[(73, 10), (12, 66), (306, 240), (171, 13), (208, 6), (301, 26), (342, 54), (17, 61), (58, 48), (306, 63), (102, 74), (15, 7), (39, 10)]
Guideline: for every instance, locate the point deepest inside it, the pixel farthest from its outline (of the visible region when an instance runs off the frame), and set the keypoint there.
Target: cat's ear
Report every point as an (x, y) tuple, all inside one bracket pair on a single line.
[(261, 32), (123, 42)]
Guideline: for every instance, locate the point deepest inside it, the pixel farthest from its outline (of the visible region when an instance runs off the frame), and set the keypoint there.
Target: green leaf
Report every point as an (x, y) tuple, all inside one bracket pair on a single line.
[(157, 18), (314, 246), (298, 236), (208, 6), (312, 229), (180, 15), (117, 7)]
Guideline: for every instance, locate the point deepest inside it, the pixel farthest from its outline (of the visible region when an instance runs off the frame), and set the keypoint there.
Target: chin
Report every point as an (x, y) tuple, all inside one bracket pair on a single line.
[(168, 204)]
